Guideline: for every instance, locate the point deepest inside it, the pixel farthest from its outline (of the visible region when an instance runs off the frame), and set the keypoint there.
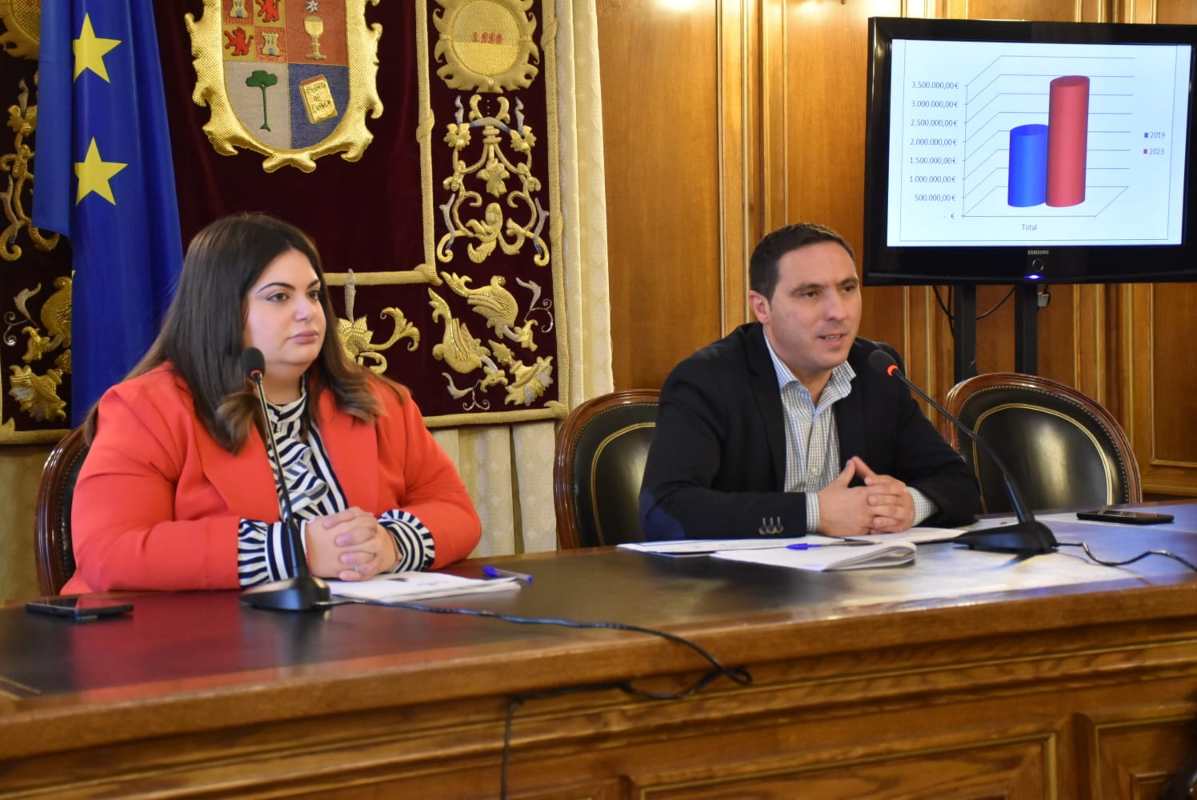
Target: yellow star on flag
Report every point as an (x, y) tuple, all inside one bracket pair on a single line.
[(94, 173), (90, 50)]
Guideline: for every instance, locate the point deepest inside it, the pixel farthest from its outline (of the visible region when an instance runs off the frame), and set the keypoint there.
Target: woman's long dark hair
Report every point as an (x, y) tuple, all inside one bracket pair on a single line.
[(203, 330)]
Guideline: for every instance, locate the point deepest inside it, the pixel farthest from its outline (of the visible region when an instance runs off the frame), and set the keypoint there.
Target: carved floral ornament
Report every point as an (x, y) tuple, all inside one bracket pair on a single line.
[(253, 63)]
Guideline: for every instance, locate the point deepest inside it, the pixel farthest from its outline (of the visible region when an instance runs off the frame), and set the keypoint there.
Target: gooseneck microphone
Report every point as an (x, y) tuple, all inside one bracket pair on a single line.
[(305, 591), (1026, 537)]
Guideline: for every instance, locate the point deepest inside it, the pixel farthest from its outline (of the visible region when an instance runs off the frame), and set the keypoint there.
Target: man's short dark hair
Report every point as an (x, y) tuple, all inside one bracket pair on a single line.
[(762, 267)]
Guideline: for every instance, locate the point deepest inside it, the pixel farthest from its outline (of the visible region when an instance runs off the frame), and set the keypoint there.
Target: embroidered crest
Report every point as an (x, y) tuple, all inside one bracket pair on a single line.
[(291, 79), (486, 45)]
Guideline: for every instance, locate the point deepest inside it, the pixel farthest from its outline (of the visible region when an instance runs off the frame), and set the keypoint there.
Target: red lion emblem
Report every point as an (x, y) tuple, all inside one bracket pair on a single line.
[(268, 9), (238, 40)]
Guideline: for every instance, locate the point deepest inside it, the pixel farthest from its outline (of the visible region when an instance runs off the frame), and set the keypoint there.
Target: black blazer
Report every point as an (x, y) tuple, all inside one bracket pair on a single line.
[(716, 467)]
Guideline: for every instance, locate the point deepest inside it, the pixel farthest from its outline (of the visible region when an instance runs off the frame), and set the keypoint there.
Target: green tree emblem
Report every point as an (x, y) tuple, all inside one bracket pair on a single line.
[(263, 80)]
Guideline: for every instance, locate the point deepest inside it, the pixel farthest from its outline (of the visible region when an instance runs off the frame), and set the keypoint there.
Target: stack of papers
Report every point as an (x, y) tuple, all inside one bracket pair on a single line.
[(403, 586), (705, 547), (811, 552), (824, 555)]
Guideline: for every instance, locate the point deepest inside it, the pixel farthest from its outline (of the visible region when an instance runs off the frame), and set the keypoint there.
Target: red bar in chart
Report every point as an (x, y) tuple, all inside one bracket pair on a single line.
[(1067, 140)]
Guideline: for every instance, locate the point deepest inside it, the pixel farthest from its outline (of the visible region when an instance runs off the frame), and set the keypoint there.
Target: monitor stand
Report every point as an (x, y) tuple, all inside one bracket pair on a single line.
[(1026, 328)]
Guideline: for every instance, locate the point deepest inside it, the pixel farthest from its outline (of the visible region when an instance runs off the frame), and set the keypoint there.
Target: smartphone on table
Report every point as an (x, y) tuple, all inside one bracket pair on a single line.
[(79, 608), (1124, 517)]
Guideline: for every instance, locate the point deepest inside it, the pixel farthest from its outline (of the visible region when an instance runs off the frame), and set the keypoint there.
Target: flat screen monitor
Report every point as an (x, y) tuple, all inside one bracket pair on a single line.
[(1010, 152)]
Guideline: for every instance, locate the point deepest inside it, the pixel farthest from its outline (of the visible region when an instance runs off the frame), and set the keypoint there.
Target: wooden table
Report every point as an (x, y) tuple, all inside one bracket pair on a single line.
[(1078, 691)]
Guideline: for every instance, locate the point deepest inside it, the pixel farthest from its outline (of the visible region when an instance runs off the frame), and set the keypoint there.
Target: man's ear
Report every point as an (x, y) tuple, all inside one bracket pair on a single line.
[(760, 305)]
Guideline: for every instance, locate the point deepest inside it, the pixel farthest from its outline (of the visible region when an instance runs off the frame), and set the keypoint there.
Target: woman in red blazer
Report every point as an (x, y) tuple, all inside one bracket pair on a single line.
[(177, 491)]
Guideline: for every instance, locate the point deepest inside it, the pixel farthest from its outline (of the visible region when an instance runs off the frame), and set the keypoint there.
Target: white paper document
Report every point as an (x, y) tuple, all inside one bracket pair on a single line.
[(916, 535), (702, 547), (403, 586), (824, 555), (948, 571), (699, 547)]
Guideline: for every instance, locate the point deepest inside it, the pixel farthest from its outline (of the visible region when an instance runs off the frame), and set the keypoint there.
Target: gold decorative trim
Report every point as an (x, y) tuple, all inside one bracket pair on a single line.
[(422, 273), (493, 168), (22, 121), (554, 409), (556, 218), (22, 22), (486, 45), (524, 374), (1107, 466), (465, 354), (48, 335), (598, 453), (358, 340), (226, 130)]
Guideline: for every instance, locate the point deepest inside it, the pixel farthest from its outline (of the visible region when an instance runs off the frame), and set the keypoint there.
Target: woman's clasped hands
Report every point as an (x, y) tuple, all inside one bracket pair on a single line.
[(350, 545)]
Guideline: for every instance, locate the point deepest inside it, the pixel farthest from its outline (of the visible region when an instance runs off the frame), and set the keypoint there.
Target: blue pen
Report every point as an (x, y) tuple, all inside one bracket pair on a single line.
[(495, 572), (809, 545)]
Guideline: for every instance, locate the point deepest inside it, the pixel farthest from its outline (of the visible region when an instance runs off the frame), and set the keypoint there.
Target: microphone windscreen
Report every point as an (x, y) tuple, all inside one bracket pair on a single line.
[(252, 361), (882, 361)]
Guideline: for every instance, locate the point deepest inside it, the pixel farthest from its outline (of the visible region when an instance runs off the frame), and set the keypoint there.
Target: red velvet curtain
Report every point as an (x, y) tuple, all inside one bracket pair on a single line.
[(366, 216)]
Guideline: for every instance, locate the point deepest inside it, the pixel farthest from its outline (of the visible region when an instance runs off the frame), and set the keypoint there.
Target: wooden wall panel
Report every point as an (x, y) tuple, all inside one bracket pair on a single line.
[(816, 163), (1064, 352), (1170, 12), (1174, 430), (1158, 390), (740, 165), (660, 124), (1158, 387), (1048, 10), (728, 118)]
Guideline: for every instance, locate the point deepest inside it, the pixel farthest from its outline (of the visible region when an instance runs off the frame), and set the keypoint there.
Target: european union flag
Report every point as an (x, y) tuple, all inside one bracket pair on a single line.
[(104, 179)]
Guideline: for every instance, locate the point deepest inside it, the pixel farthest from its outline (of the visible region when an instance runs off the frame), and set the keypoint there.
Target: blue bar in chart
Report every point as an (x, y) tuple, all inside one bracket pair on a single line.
[(1028, 166)]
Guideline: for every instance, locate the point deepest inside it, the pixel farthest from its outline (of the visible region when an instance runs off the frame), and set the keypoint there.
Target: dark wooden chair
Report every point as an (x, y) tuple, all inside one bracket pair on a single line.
[(1064, 449), (601, 450), (52, 526)]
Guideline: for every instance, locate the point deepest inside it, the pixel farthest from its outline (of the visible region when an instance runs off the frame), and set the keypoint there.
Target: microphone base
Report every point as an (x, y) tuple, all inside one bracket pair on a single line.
[(1030, 538), (305, 593)]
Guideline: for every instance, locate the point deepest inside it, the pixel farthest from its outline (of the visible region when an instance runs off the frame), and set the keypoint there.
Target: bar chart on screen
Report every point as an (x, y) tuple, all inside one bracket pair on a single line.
[(1003, 142)]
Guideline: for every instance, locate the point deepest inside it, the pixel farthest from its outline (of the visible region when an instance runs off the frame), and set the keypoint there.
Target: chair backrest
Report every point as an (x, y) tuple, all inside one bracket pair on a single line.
[(601, 450), (1064, 449), (52, 526)]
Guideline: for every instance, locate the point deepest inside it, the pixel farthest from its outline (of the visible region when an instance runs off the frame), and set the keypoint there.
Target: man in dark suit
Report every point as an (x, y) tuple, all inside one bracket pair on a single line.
[(782, 428)]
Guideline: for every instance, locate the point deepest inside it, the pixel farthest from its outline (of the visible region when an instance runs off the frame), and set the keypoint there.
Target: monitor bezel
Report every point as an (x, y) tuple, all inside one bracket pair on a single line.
[(996, 264)]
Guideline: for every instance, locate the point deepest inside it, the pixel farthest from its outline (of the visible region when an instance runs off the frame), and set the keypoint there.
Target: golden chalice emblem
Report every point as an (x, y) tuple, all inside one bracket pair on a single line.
[(313, 26)]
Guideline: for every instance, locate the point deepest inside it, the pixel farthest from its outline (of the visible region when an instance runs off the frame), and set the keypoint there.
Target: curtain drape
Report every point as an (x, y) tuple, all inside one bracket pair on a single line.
[(508, 469)]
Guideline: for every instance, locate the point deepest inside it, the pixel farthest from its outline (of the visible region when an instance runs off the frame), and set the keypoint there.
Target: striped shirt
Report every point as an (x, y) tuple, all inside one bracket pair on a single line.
[(262, 554), (812, 442)]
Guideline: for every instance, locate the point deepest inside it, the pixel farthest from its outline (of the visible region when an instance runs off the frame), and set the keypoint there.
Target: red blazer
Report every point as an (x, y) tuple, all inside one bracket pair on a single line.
[(158, 501)]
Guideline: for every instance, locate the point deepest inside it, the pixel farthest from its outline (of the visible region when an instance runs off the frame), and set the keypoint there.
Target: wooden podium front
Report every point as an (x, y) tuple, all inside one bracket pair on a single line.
[(1080, 691)]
